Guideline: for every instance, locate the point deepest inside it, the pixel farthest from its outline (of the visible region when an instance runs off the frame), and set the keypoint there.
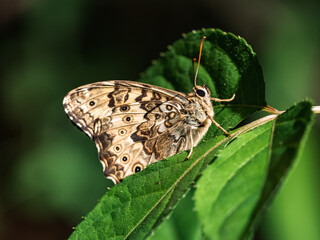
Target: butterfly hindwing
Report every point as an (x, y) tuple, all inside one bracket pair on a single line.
[(132, 124)]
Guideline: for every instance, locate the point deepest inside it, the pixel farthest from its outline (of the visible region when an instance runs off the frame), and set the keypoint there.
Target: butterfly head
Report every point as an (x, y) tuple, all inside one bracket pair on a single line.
[(202, 91), (202, 94)]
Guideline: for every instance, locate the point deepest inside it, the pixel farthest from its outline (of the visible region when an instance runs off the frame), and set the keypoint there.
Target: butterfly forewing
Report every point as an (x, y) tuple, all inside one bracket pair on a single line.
[(133, 124)]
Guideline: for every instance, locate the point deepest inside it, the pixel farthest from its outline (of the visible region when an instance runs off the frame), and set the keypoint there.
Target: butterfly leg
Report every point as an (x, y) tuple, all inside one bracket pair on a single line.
[(190, 152), (218, 125), (224, 100)]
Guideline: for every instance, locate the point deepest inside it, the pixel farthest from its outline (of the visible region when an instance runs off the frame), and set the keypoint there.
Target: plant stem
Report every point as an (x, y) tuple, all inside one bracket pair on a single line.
[(261, 121)]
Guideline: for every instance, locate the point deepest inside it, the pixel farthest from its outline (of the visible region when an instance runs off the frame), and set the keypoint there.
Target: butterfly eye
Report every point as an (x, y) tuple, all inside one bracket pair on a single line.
[(200, 93), (91, 103), (138, 168)]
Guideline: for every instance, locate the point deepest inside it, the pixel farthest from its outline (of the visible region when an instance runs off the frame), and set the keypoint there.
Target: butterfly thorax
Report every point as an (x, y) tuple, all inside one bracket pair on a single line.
[(200, 105), (197, 112)]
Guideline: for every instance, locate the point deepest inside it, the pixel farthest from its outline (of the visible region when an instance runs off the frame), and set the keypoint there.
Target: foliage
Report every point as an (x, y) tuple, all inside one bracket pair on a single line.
[(247, 168)]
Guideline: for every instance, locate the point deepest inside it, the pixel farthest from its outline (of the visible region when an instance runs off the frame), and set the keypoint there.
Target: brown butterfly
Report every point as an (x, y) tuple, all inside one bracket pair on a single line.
[(135, 124)]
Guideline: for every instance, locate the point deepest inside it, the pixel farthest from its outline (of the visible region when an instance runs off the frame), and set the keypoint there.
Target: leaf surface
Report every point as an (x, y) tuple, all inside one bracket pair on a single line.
[(133, 208), (235, 189)]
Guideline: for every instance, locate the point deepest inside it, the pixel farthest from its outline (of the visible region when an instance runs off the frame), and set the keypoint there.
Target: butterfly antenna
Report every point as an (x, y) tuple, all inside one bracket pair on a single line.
[(193, 60), (196, 75)]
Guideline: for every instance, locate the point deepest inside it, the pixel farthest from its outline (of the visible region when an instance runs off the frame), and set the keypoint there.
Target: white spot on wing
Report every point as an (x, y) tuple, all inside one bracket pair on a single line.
[(98, 147), (103, 165), (162, 128), (113, 180), (88, 133), (65, 100), (84, 108)]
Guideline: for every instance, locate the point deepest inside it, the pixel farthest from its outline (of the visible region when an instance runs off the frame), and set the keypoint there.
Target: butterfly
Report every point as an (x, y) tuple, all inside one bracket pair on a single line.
[(135, 124)]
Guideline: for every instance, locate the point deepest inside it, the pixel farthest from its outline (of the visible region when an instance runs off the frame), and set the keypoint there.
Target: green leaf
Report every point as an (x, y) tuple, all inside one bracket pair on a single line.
[(235, 189), (182, 224), (228, 66), (133, 208), (286, 145)]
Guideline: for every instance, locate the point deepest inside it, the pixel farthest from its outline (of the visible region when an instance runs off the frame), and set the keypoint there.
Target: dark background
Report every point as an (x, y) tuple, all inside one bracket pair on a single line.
[(49, 171)]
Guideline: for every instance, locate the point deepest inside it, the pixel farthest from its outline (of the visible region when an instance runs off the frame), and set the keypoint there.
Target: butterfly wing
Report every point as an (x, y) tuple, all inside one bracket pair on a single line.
[(133, 124)]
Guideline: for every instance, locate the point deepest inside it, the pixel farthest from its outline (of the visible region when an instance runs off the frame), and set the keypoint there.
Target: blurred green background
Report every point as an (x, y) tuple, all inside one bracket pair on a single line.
[(49, 171)]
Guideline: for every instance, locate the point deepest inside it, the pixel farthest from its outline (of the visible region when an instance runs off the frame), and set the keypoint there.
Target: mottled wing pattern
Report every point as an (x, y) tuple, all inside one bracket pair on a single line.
[(133, 124)]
